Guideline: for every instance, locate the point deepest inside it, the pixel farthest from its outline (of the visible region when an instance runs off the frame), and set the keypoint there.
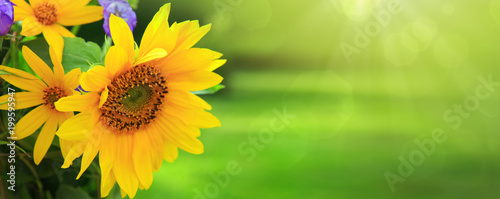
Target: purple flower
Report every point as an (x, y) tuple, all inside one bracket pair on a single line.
[(6, 16), (120, 8)]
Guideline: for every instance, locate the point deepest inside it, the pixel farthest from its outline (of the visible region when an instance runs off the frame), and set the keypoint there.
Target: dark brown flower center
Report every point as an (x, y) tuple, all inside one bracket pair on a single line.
[(51, 95), (46, 13), (134, 99)]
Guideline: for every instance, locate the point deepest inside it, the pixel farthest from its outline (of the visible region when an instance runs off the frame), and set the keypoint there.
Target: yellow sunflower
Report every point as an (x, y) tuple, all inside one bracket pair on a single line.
[(49, 17), (42, 94), (140, 109)]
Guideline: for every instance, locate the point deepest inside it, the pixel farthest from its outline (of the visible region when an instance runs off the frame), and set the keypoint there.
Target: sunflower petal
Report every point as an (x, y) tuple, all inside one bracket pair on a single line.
[(45, 139), (95, 79), (75, 151), (62, 30), (104, 97), (116, 60), (123, 168), (58, 68), (107, 154), (142, 159), (31, 122), (156, 53), (23, 100), (194, 117), (71, 79), (79, 127), (122, 36), (40, 67), (194, 81), (77, 102), (55, 40), (170, 152), (175, 132), (82, 15), (187, 99), (22, 10), (91, 150), (107, 183), (190, 60), (31, 26)]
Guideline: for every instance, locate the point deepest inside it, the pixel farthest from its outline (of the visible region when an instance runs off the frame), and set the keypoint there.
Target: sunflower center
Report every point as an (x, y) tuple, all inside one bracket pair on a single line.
[(46, 13), (51, 95), (134, 99)]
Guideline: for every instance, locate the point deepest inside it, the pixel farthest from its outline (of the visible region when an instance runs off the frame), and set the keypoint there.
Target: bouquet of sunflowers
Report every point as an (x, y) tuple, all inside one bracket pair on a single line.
[(109, 114)]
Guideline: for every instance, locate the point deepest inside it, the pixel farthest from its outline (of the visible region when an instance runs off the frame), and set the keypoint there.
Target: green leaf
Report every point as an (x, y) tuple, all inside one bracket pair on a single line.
[(66, 191), (80, 54), (18, 147), (211, 90), (133, 4)]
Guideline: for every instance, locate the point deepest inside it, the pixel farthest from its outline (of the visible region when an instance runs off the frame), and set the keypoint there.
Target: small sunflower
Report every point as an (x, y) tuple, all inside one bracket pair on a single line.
[(140, 108), (49, 17), (40, 94)]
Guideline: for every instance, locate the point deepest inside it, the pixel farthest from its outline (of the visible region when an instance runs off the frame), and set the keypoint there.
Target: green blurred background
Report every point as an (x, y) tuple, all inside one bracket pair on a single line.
[(354, 115)]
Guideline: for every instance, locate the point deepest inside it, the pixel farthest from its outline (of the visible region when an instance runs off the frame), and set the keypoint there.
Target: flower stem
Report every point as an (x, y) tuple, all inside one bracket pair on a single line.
[(32, 169), (75, 29)]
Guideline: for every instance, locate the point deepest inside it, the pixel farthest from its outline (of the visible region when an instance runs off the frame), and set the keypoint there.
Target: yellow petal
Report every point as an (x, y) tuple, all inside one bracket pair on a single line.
[(157, 143), (40, 67), (18, 72), (156, 53), (58, 68), (79, 127), (186, 99), (189, 60), (175, 130), (91, 149), (123, 168), (25, 84), (158, 34), (95, 79), (104, 97), (31, 26), (21, 10), (142, 159), (189, 34), (107, 153), (193, 117), (67, 6), (45, 138), (107, 183), (30, 122), (62, 30), (75, 151), (77, 102), (55, 40), (71, 80), (216, 64), (194, 81), (122, 36), (79, 16), (116, 60), (22, 100), (170, 152)]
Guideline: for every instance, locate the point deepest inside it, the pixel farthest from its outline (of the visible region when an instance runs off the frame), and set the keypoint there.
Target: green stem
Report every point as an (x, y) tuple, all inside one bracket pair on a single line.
[(75, 29), (32, 169), (14, 55), (6, 58)]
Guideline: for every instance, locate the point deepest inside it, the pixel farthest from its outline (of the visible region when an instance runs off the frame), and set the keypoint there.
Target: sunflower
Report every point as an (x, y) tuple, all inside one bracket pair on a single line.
[(40, 94), (49, 17), (140, 110)]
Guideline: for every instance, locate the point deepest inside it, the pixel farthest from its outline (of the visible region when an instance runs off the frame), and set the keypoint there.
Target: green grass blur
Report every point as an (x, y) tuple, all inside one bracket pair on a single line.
[(353, 120)]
